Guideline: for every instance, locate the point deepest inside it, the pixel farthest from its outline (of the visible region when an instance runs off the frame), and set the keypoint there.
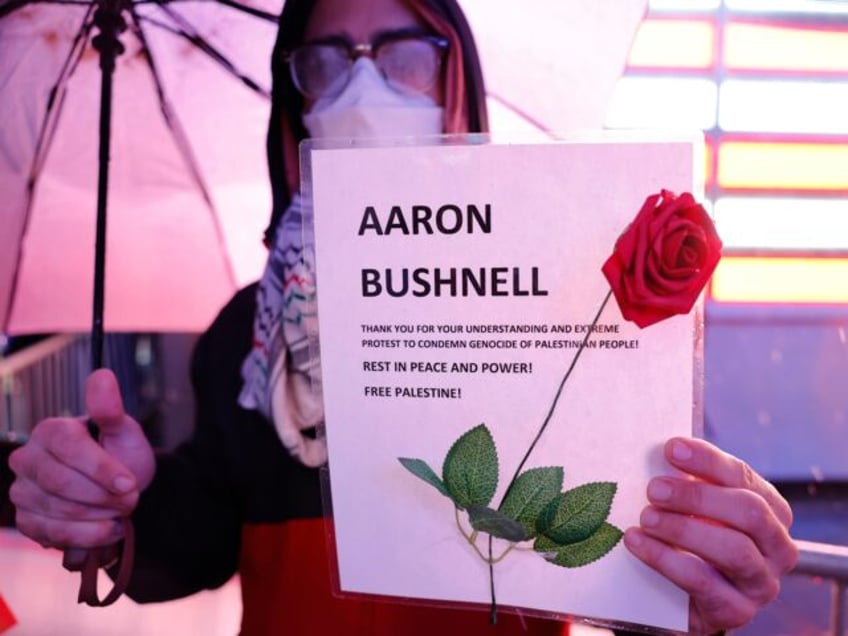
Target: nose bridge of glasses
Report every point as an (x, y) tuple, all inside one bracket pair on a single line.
[(364, 49)]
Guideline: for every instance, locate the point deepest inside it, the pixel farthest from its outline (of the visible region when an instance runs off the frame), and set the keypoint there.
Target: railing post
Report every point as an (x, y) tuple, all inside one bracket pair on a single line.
[(829, 562), (28, 386)]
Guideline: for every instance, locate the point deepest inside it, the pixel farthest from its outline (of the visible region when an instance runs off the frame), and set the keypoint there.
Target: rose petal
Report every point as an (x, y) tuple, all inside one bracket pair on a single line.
[(663, 260)]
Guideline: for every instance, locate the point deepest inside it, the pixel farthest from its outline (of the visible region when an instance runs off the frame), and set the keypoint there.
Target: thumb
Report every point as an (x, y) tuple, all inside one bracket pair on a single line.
[(120, 435), (103, 401)]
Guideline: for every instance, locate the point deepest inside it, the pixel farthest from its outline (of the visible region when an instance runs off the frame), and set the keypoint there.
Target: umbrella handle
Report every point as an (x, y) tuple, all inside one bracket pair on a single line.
[(96, 558)]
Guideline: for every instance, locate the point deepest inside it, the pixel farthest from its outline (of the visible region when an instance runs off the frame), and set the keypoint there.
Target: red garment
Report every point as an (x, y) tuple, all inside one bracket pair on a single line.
[(286, 589), (7, 619)]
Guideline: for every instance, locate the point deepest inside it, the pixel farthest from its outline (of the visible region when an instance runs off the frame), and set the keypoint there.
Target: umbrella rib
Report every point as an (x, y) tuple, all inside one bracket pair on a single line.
[(238, 6), (44, 141), (520, 112), (180, 138), (271, 17), (56, 98), (186, 31)]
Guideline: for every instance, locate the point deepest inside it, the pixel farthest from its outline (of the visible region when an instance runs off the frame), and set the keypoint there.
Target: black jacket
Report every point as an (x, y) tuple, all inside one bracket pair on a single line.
[(232, 470)]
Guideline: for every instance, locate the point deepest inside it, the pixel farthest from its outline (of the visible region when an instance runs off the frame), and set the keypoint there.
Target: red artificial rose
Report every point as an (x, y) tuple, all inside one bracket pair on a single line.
[(663, 259)]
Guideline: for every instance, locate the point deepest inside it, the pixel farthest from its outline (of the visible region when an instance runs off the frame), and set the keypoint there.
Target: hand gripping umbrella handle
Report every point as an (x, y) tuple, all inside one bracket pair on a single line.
[(110, 23), (91, 562)]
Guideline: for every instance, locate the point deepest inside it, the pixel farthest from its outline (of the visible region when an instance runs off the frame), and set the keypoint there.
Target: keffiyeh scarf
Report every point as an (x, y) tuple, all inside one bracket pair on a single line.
[(282, 373)]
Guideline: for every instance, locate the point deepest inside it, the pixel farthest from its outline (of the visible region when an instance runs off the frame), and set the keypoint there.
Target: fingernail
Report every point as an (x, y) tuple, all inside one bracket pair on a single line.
[(659, 490), (650, 518), (633, 538), (123, 484), (681, 451)]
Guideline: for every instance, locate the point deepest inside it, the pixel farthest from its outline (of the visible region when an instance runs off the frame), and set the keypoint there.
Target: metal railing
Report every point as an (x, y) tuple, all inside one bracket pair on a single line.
[(830, 562), (47, 379), (41, 380)]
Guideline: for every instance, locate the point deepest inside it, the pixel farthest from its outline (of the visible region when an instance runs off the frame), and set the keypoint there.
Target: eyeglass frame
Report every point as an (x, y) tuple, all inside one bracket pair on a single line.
[(367, 49)]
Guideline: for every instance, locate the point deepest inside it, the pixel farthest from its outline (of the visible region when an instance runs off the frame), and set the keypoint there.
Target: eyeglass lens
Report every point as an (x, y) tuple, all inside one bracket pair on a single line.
[(408, 65)]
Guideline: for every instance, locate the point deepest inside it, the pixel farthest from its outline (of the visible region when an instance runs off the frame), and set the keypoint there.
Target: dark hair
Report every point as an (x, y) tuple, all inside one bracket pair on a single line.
[(287, 103)]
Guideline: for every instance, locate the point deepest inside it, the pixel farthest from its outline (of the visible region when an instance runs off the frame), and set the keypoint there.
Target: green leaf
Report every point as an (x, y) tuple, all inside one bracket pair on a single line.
[(529, 494), (583, 552), (470, 471), (577, 513), (419, 468), (496, 524)]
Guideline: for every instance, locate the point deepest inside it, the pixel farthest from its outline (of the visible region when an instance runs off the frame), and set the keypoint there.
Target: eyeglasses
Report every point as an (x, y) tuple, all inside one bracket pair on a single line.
[(410, 60)]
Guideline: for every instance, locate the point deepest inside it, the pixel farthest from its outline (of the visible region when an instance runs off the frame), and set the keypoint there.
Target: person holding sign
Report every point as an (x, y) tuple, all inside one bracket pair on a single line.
[(243, 494)]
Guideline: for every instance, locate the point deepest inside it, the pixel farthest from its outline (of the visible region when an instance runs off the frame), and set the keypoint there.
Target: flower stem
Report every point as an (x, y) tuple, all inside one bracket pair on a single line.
[(565, 377), (471, 538), (493, 613)]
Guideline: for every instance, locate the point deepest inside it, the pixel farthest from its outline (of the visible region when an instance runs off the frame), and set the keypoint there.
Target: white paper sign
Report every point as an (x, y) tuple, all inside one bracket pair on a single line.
[(456, 284)]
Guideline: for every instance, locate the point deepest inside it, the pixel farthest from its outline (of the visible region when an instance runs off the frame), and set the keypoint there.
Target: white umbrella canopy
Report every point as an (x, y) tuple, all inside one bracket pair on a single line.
[(188, 196), (552, 65)]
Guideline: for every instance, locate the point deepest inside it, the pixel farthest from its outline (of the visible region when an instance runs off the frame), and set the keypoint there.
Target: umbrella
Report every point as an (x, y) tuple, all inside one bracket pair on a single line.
[(551, 66), (187, 186), (52, 188)]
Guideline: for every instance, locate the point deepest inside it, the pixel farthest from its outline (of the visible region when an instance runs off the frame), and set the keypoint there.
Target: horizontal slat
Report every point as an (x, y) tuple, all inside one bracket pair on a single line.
[(684, 5), (663, 103), (810, 49), (814, 7), (782, 223), (822, 559), (784, 106), (781, 280), (783, 165), (673, 43), (31, 355)]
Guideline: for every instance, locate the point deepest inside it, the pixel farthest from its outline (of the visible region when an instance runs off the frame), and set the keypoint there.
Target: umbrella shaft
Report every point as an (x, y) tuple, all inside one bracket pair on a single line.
[(109, 21), (100, 237)]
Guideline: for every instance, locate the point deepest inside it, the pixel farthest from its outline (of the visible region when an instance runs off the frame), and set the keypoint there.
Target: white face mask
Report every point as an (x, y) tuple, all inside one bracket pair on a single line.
[(369, 107)]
